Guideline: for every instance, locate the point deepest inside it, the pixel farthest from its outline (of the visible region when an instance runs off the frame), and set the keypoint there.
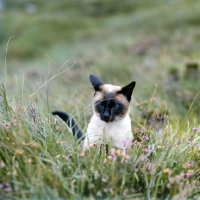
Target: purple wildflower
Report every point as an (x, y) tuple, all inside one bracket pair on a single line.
[(1, 185), (145, 137), (146, 150), (135, 143), (188, 165), (189, 173), (6, 189), (112, 156), (194, 129), (125, 142)]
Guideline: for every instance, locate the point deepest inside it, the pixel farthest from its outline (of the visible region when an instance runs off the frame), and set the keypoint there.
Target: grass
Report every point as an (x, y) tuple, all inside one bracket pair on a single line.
[(40, 159), (149, 42)]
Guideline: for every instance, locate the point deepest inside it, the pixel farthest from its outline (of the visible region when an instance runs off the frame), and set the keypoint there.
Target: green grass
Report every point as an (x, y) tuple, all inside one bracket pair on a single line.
[(40, 159), (121, 42)]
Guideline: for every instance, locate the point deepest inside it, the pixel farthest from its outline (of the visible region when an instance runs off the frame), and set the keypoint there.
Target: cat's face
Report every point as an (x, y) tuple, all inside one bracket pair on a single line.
[(111, 103)]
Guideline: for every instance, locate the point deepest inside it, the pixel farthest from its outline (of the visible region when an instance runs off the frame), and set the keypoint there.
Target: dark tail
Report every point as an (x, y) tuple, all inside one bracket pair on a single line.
[(71, 123)]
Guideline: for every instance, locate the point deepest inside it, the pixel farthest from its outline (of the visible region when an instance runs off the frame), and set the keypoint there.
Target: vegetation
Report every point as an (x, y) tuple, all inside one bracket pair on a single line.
[(48, 51)]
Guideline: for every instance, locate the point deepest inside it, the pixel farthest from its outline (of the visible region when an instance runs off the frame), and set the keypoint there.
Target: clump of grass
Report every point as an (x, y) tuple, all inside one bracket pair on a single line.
[(39, 160), (160, 118)]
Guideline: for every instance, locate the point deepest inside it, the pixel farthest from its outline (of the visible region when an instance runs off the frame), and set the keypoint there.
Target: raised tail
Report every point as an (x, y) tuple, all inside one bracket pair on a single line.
[(71, 123)]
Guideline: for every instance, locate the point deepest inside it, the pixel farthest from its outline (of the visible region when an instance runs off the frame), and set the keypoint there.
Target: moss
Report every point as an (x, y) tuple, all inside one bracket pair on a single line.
[(173, 71)]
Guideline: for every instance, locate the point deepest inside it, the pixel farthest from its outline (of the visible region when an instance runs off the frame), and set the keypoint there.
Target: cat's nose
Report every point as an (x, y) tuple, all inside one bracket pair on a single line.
[(106, 116)]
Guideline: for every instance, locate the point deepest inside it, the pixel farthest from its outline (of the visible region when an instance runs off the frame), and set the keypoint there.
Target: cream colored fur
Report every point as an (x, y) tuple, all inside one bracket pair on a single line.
[(100, 132)]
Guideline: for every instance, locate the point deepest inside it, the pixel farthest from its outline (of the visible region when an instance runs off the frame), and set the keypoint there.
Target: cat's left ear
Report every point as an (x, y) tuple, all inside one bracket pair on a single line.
[(96, 82), (128, 90)]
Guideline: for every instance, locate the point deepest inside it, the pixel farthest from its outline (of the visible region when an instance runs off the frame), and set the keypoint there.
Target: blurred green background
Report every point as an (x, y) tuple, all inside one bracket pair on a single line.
[(154, 42)]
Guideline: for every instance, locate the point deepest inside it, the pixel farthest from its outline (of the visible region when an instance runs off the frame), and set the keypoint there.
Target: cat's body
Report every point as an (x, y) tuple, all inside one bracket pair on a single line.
[(110, 123), (117, 133)]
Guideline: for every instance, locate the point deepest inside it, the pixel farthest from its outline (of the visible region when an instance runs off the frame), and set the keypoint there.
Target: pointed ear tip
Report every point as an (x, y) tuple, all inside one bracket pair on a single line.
[(91, 75), (133, 83)]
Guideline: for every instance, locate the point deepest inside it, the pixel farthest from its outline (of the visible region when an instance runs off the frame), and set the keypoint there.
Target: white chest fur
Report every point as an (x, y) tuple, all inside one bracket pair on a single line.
[(118, 133)]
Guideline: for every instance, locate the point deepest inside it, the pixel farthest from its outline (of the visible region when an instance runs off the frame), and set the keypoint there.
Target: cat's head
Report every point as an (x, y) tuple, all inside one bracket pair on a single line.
[(111, 103)]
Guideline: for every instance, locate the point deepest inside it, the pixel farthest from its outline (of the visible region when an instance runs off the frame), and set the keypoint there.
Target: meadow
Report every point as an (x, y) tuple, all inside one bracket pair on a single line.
[(49, 49)]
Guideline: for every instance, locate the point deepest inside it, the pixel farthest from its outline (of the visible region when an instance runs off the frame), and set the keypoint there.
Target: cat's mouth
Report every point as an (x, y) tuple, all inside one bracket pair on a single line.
[(107, 119)]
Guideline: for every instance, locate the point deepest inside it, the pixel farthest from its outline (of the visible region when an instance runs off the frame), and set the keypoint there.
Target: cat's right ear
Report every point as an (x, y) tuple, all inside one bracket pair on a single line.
[(96, 82)]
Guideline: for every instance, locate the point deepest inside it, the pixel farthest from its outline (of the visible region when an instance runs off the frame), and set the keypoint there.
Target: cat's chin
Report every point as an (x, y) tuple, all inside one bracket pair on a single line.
[(110, 120), (107, 120)]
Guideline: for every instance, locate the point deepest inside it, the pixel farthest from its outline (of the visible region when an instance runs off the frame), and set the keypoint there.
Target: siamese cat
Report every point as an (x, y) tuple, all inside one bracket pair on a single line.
[(110, 123)]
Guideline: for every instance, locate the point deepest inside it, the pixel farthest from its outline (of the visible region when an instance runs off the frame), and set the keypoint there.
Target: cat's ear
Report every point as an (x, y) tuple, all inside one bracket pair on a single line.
[(96, 82), (128, 90)]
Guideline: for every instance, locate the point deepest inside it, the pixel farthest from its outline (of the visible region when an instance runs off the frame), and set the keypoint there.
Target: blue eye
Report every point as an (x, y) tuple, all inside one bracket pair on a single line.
[(116, 106), (99, 104)]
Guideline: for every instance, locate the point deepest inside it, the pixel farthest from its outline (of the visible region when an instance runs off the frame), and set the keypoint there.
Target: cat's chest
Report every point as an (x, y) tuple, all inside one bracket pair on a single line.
[(114, 129), (99, 131)]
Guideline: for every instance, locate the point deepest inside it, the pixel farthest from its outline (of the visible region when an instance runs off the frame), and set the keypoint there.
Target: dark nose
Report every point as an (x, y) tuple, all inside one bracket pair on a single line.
[(106, 116)]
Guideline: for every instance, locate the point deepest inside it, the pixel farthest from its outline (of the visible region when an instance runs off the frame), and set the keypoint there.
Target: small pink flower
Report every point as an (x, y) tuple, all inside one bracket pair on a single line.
[(125, 142), (135, 143), (6, 189), (145, 137), (112, 156), (194, 129), (188, 165), (146, 150), (189, 173)]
